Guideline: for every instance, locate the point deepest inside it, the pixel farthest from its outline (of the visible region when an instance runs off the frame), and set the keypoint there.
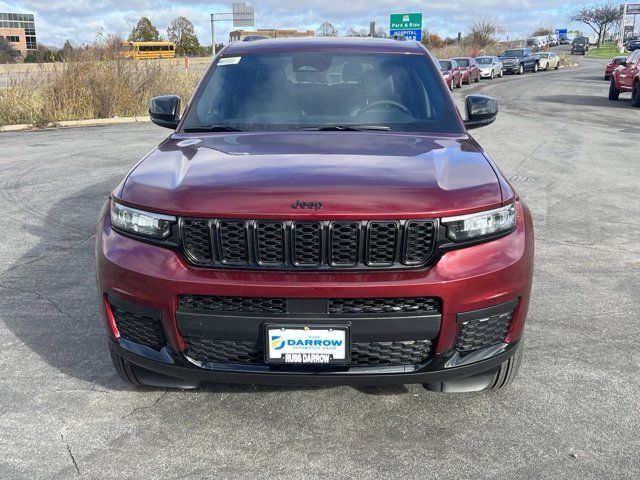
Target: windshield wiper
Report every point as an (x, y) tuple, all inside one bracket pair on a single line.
[(213, 128), (347, 128)]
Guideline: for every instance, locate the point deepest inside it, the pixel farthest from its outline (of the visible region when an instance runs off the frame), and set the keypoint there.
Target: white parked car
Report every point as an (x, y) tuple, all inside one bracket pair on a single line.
[(490, 66)]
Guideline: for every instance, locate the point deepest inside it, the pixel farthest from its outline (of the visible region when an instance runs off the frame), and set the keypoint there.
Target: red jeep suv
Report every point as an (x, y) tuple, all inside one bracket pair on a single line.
[(626, 78), (318, 216)]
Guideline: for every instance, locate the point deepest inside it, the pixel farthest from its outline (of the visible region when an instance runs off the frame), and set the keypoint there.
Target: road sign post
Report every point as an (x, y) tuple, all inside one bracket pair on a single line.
[(407, 24), (242, 16)]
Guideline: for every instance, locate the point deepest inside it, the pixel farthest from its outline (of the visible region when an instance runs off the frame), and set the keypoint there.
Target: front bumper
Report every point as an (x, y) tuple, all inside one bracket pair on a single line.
[(469, 279)]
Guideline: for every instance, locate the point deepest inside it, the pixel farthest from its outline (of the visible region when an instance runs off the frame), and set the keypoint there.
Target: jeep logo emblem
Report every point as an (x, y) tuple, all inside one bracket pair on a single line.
[(308, 205)]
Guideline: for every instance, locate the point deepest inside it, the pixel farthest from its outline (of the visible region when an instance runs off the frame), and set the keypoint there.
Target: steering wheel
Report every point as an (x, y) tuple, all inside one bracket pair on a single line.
[(392, 103)]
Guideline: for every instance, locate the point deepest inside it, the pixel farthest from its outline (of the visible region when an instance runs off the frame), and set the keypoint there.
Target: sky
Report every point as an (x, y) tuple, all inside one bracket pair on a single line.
[(80, 20)]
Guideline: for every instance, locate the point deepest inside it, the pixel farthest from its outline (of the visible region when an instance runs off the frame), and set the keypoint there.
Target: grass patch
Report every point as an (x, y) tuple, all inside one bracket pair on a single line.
[(90, 86), (608, 50)]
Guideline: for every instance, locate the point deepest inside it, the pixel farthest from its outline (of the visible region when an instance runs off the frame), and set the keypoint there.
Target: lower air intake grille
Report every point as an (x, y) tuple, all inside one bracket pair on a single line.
[(138, 328), (363, 354), (390, 353), (345, 306), (481, 333), (233, 304)]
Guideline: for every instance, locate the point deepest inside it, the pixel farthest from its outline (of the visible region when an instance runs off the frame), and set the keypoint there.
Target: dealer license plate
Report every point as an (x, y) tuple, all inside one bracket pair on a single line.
[(311, 344)]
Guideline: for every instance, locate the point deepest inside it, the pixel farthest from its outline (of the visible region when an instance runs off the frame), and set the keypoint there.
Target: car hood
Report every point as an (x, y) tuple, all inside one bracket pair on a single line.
[(354, 175)]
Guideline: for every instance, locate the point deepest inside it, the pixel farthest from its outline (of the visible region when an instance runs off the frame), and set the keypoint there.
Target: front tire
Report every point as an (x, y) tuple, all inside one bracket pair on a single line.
[(520, 69), (546, 67), (491, 75), (557, 67), (124, 369), (614, 93), (508, 371), (535, 68), (635, 95)]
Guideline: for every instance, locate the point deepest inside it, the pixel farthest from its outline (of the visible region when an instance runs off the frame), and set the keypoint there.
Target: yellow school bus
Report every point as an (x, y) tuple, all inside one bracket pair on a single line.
[(140, 50)]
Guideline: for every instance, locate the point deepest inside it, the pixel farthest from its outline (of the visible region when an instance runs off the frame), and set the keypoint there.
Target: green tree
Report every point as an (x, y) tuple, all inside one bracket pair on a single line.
[(8, 54), (144, 31), (182, 33)]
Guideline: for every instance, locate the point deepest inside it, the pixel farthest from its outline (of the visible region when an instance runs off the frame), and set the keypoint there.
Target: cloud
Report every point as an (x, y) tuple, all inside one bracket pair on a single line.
[(80, 20)]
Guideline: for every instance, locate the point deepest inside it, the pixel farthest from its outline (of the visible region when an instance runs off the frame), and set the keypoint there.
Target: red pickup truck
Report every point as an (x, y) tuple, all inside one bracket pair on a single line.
[(626, 78)]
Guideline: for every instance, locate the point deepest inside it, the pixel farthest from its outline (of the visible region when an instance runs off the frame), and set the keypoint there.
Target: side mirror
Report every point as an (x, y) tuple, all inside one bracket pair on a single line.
[(165, 111), (481, 111)]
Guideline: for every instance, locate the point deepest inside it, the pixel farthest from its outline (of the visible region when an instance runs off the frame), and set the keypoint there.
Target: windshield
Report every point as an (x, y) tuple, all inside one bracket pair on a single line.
[(462, 62), (513, 53), (292, 91), (580, 41), (444, 65), (484, 60)]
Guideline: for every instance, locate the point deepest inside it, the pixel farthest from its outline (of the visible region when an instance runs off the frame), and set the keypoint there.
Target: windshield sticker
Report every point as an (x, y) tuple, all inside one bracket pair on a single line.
[(229, 61)]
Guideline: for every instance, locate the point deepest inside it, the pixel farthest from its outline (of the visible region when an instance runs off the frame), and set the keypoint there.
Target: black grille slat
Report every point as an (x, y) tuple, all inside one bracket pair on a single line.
[(482, 333), (308, 245), (345, 306), (139, 328), (233, 241), (363, 354), (382, 241), (197, 240), (270, 243), (307, 241), (232, 304), (345, 243), (419, 240)]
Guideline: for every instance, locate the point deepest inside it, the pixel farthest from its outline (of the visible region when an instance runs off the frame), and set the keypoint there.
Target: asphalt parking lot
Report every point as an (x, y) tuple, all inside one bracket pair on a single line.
[(574, 411)]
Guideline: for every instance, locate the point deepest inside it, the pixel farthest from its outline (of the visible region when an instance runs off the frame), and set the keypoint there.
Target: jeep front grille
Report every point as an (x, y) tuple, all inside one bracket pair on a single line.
[(273, 244)]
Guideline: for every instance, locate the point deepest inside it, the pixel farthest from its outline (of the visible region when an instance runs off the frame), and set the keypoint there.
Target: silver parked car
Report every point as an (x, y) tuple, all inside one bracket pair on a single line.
[(490, 66)]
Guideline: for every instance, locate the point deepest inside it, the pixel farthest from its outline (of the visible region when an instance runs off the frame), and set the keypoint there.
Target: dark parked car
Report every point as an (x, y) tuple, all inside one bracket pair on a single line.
[(633, 45), (579, 46), (451, 73), (469, 69), (519, 60), (612, 65), (319, 215), (626, 78)]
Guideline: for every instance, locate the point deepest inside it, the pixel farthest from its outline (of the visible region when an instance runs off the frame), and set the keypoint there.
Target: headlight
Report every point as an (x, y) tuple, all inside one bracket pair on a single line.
[(482, 224), (139, 222)]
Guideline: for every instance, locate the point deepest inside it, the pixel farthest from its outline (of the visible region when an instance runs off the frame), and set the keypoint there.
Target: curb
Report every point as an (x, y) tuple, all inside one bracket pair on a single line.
[(75, 123)]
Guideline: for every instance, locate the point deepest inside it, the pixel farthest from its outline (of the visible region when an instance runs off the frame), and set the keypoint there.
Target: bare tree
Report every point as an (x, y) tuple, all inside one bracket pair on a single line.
[(600, 17), (357, 32), (381, 32), (327, 30), (482, 32), (542, 31)]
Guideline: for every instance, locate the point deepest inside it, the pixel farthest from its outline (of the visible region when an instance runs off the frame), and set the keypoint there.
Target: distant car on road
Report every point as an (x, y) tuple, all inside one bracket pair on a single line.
[(519, 60), (633, 45), (469, 69), (451, 73), (612, 65), (547, 60), (580, 46), (490, 66), (626, 78)]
